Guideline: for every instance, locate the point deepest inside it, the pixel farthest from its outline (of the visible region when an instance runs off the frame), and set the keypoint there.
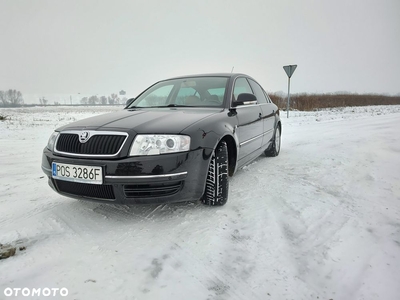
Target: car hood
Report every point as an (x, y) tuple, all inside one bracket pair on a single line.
[(168, 120)]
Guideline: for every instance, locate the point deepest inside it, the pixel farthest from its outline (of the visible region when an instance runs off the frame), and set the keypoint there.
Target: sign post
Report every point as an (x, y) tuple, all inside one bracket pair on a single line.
[(289, 71)]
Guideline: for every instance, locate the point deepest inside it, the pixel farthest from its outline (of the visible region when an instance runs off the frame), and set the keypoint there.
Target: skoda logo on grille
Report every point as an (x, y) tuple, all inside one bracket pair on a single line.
[(84, 136)]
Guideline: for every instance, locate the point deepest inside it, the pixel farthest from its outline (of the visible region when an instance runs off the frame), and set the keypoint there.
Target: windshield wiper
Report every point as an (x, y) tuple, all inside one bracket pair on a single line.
[(177, 105), (160, 106), (172, 105)]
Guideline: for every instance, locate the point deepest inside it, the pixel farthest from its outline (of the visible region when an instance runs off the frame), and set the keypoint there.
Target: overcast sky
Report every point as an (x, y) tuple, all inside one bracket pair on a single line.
[(100, 47)]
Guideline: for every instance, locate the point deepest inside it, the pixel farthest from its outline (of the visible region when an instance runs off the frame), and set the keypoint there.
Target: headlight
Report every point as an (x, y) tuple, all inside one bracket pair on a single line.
[(154, 144), (52, 140)]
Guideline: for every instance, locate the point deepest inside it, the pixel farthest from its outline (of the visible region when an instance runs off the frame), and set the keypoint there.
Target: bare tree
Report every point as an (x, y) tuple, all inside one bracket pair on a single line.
[(93, 100), (11, 98), (103, 100), (84, 100), (3, 98), (14, 97), (113, 99), (43, 101)]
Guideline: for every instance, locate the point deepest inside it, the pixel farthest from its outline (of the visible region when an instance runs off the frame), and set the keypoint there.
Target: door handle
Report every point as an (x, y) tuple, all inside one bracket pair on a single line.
[(260, 116)]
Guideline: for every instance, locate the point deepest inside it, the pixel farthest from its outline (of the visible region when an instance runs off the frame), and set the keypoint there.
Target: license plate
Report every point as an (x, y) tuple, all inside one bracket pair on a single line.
[(77, 173)]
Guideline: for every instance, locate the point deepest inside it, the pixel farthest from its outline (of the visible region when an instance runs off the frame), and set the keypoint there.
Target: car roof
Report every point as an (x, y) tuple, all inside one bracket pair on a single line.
[(209, 75)]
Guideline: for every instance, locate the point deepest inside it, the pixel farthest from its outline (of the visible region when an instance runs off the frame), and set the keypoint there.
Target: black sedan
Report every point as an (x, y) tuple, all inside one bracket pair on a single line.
[(179, 140)]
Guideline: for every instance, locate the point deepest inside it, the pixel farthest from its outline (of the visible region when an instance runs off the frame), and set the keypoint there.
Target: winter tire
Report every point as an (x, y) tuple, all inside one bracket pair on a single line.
[(217, 184), (275, 147)]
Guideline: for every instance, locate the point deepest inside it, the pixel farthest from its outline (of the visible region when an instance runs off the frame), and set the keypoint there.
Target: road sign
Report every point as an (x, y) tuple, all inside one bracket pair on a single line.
[(290, 70)]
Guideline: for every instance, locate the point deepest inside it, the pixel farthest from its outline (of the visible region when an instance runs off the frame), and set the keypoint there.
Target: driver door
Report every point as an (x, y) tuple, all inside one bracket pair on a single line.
[(250, 123)]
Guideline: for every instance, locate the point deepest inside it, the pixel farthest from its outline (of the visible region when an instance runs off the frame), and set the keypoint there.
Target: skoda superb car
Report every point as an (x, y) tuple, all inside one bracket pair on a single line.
[(179, 140)]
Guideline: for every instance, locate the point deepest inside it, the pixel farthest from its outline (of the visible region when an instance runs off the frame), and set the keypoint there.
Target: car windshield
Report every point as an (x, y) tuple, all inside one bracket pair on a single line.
[(184, 92)]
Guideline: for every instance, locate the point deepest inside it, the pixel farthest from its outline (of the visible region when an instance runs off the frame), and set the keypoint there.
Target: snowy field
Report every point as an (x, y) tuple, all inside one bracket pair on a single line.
[(320, 221)]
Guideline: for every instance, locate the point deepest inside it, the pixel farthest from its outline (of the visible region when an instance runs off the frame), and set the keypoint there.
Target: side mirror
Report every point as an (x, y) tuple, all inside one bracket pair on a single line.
[(245, 99), (129, 101)]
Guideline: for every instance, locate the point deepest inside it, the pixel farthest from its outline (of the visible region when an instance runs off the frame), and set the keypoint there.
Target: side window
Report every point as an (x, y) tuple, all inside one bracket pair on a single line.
[(241, 86), (268, 98), (258, 92)]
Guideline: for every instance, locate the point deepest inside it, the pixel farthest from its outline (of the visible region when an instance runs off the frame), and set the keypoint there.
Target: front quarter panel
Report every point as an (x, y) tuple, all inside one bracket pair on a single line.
[(208, 132)]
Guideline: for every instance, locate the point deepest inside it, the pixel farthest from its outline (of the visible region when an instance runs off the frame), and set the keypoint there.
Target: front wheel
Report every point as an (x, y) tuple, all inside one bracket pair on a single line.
[(217, 184), (275, 147)]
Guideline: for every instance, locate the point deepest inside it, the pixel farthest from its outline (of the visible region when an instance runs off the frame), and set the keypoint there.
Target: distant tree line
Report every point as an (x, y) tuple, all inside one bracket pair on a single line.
[(307, 102), (11, 98), (95, 100), (103, 100)]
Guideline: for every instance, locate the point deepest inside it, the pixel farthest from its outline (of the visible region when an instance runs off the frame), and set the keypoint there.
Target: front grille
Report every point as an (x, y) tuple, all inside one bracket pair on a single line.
[(87, 190), (152, 190), (97, 144)]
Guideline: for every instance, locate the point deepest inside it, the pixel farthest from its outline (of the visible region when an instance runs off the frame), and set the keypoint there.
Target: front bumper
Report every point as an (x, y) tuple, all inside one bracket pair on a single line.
[(164, 178)]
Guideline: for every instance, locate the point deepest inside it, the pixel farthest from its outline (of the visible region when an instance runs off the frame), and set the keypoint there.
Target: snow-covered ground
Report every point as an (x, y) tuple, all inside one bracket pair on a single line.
[(320, 221)]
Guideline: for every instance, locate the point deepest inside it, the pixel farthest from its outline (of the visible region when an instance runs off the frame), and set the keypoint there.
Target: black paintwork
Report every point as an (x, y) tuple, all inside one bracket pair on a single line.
[(247, 129)]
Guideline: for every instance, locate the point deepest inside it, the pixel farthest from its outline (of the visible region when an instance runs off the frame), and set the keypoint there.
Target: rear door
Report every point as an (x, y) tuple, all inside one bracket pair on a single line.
[(267, 110)]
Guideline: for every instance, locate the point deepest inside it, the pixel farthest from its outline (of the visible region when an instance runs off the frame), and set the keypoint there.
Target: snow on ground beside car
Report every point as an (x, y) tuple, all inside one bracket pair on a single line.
[(320, 221)]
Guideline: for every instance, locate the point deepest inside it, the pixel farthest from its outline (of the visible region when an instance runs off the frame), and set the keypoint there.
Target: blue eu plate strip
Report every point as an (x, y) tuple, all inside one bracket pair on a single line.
[(54, 169)]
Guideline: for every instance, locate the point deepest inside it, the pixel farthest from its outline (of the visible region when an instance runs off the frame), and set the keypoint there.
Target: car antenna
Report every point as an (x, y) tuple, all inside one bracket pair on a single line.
[(232, 69)]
